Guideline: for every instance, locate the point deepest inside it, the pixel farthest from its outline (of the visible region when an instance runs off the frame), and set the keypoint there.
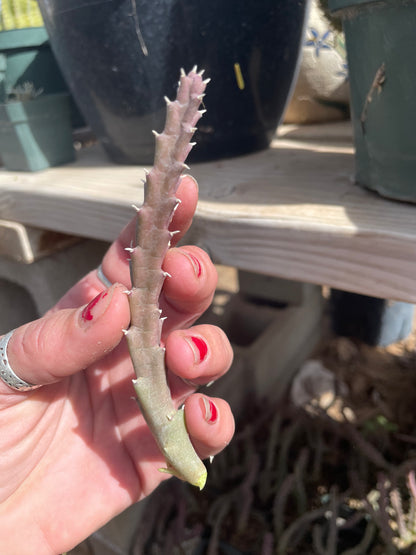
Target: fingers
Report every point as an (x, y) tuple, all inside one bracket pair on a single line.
[(63, 343), (115, 264), (210, 424), (187, 291), (198, 356), (191, 281)]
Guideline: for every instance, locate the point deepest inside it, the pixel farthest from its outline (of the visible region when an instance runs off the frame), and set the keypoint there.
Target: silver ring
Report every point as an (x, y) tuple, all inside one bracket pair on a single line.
[(102, 277), (6, 372)]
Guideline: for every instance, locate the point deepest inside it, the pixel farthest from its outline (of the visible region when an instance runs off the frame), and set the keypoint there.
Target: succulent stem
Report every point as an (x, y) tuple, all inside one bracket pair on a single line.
[(152, 242)]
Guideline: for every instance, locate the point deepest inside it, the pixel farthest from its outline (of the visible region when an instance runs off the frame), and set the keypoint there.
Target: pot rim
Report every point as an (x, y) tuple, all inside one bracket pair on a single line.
[(23, 38), (338, 5)]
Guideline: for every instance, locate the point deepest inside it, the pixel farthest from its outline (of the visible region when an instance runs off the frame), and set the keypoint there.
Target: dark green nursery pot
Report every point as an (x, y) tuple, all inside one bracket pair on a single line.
[(381, 49)]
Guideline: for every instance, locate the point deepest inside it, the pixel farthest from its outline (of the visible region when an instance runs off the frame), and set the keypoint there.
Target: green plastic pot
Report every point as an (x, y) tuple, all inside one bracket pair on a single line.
[(381, 48), (29, 58), (26, 56), (36, 134)]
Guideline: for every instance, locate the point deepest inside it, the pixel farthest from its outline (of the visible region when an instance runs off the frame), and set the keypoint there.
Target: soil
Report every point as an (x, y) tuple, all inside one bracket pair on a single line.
[(381, 381)]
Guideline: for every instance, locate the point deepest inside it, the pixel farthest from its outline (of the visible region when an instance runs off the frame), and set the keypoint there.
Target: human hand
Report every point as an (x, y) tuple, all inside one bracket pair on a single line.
[(76, 451)]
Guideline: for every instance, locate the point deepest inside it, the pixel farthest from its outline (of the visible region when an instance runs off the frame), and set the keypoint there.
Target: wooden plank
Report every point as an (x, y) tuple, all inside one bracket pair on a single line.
[(27, 244), (91, 197), (291, 211)]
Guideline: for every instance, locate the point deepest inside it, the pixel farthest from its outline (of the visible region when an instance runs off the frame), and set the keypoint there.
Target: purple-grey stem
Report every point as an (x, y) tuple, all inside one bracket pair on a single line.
[(152, 242)]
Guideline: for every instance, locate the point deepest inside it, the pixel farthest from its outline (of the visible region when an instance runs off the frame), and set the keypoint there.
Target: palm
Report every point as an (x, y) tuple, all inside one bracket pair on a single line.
[(86, 446)]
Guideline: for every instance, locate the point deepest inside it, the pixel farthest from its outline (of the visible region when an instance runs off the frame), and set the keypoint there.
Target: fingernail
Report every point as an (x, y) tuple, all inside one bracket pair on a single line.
[(209, 410), (96, 307), (198, 346), (196, 265)]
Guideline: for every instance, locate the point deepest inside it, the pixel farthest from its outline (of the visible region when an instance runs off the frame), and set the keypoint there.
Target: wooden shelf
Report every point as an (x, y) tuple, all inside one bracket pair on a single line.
[(291, 211)]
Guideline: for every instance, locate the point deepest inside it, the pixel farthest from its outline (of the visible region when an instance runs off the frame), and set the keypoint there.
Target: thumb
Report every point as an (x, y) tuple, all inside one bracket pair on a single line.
[(67, 341)]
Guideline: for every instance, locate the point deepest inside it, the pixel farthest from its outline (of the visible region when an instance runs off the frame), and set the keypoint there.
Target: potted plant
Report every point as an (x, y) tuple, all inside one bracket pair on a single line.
[(35, 130), (380, 40), (24, 49), (321, 93), (121, 58), (26, 55)]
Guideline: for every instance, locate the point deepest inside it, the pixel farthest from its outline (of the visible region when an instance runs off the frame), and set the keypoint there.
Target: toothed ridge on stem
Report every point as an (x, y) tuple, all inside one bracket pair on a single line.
[(152, 242)]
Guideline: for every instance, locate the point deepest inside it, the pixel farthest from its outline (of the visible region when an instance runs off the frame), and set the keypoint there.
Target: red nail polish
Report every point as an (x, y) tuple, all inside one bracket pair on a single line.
[(201, 347), (91, 310), (214, 412), (195, 263), (209, 410)]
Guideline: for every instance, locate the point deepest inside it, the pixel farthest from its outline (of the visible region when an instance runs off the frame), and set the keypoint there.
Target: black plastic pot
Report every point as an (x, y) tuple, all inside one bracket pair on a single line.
[(371, 320), (120, 58)]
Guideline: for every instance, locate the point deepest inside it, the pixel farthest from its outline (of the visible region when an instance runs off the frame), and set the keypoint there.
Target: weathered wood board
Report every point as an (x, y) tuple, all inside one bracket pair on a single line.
[(291, 211)]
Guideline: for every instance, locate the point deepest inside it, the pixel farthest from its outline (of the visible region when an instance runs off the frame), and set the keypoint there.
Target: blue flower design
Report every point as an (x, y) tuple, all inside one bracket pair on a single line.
[(344, 72), (319, 42)]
